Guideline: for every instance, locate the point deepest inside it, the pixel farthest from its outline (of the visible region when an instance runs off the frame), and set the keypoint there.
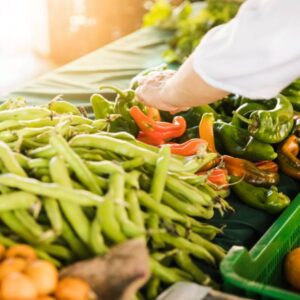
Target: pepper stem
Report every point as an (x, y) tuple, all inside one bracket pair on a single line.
[(115, 89), (242, 118)]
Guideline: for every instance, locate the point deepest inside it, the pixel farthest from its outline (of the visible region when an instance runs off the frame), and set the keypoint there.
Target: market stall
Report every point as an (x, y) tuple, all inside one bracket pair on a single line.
[(115, 65)]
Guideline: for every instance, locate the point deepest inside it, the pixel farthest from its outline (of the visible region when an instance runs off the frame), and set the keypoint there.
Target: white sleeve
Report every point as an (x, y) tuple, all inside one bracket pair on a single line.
[(257, 53)]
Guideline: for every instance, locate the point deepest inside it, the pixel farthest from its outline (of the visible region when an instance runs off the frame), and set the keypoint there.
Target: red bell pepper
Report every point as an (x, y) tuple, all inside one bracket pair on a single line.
[(150, 140), (188, 148), (151, 127), (218, 177)]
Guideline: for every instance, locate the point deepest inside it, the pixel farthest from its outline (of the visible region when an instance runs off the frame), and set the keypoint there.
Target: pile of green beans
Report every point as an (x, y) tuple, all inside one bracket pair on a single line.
[(73, 190)]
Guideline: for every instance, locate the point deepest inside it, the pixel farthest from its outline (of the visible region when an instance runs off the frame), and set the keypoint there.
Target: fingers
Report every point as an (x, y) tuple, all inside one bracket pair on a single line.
[(151, 91)]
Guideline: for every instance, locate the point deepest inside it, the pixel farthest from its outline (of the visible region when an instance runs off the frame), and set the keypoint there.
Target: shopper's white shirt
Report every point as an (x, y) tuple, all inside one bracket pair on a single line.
[(256, 54)]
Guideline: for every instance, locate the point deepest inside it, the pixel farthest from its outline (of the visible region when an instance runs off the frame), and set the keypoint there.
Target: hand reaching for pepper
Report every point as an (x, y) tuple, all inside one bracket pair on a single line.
[(154, 91), (176, 91)]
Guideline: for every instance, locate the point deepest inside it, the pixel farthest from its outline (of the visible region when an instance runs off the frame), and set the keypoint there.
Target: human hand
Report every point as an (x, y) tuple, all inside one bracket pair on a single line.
[(156, 91)]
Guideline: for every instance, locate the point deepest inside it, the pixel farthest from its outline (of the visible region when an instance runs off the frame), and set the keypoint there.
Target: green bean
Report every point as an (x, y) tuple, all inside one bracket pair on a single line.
[(44, 122), (217, 251), (74, 243), (132, 164), (25, 113), (40, 172), (187, 246), (102, 182), (63, 107), (161, 209), (97, 242), (46, 178), (132, 179), (206, 230), (51, 190), (106, 214), (91, 156), (187, 191), (32, 132), (82, 150), (72, 211), (186, 263), (57, 251), (153, 288), (193, 179), (122, 135), (53, 212), (195, 164), (38, 163), (160, 174), (165, 257), (30, 224), (7, 104), (9, 160), (116, 188), (187, 208), (100, 124), (157, 187), (103, 167), (77, 120), (10, 220), (121, 147), (134, 209), (17, 200), (9, 124), (5, 241), (168, 275), (13, 103), (76, 163), (22, 160), (83, 128), (8, 136), (42, 152), (106, 217), (30, 144)]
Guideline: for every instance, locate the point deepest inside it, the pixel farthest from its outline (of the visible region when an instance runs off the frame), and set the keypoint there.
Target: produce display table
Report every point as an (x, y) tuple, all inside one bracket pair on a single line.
[(116, 64)]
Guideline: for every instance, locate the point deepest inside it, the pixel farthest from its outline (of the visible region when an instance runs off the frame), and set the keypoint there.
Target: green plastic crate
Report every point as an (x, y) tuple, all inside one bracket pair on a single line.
[(258, 274)]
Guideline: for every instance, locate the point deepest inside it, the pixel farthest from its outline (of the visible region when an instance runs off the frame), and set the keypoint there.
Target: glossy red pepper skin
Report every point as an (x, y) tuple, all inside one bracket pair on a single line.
[(150, 140), (267, 165), (188, 148), (218, 177), (151, 127), (249, 172)]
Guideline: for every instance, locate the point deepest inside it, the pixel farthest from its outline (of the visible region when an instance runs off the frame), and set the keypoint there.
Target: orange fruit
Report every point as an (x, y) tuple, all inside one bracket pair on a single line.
[(292, 268)]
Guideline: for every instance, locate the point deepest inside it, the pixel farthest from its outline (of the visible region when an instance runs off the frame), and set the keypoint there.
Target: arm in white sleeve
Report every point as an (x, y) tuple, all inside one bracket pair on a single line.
[(257, 53)]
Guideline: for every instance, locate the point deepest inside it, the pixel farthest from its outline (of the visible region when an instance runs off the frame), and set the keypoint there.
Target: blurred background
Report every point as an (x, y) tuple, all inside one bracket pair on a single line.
[(39, 35)]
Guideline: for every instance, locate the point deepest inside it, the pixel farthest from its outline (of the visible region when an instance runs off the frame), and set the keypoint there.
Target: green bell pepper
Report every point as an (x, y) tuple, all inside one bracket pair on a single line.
[(101, 106), (245, 110), (238, 143), (273, 125), (269, 200), (123, 102)]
